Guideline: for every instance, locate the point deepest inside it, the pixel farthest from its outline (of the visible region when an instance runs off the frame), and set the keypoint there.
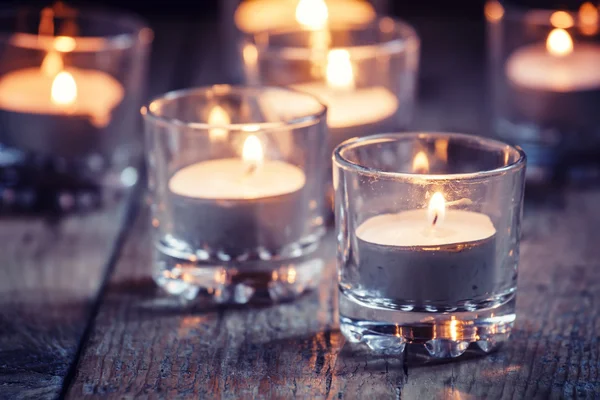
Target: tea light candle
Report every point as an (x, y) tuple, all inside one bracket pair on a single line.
[(428, 254), (262, 15), (232, 204), (348, 106), (53, 109), (556, 81)]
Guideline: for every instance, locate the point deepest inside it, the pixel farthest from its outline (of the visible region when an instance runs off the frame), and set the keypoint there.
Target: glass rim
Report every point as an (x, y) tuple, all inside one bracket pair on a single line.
[(397, 45), (345, 163), (140, 31), (298, 122)]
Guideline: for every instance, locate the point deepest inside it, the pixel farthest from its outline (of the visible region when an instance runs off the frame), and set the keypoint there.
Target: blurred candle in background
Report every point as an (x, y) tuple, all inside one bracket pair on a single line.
[(263, 15)]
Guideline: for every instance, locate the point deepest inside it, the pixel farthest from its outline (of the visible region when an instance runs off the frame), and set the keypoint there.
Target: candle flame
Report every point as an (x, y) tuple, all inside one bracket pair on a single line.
[(561, 19), (588, 18), (312, 14), (64, 89), (219, 117), (420, 163), (52, 64), (437, 209), (252, 153), (493, 11), (559, 43), (64, 44), (339, 70)]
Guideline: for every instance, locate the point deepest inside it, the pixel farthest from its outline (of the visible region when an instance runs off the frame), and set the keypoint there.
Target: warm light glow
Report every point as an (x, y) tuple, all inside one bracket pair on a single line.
[(312, 14), (219, 117), (441, 149), (420, 163), (64, 44), (339, 70), (252, 152), (291, 276), (561, 19), (250, 54), (493, 11), (559, 43), (437, 209), (588, 19), (453, 329), (64, 89), (52, 64)]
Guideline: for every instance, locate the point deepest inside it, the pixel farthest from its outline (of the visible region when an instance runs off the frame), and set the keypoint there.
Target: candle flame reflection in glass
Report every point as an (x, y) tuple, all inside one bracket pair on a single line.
[(588, 19), (561, 19), (64, 89), (52, 64), (312, 14), (559, 43), (218, 116), (420, 163), (493, 11), (436, 210), (64, 44), (339, 70)]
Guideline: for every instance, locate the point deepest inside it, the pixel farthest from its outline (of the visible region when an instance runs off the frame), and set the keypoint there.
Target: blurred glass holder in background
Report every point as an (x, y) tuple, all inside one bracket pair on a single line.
[(71, 82), (546, 87), (237, 176), (366, 74), (428, 228)]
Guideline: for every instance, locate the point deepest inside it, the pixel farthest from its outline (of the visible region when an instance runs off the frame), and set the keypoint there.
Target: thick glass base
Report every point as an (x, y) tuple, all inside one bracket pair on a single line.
[(442, 335), (31, 183), (238, 283), (554, 155)]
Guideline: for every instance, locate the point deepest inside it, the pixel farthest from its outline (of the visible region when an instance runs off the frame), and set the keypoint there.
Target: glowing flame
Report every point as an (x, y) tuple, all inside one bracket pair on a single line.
[(312, 14), (588, 18), (219, 117), (561, 19), (493, 11), (64, 44), (52, 64), (559, 43), (64, 89), (420, 163), (441, 149), (252, 152), (436, 210), (339, 70)]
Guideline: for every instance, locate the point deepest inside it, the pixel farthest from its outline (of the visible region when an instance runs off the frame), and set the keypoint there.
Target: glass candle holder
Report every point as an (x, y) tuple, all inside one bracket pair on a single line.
[(428, 240), (366, 74), (546, 87), (237, 176), (71, 83)]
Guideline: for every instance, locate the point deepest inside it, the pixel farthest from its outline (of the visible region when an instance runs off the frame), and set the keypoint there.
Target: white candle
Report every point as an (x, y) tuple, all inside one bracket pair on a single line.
[(427, 255), (229, 179), (263, 15), (558, 66), (410, 229), (238, 205), (29, 90)]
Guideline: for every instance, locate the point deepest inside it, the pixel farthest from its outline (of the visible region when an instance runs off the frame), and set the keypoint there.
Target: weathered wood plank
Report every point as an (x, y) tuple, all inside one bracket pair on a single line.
[(145, 343), (51, 275)]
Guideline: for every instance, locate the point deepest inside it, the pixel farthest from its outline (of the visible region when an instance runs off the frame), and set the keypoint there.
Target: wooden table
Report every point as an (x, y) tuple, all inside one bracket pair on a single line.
[(81, 317)]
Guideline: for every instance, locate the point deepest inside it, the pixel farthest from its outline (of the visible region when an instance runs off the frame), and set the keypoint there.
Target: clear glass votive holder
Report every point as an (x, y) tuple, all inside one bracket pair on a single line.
[(428, 240), (71, 82), (237, 176), (546, 86), (365, 73)]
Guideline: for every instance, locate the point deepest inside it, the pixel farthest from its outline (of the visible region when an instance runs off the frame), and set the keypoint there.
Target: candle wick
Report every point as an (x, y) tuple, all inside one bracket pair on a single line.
[(435, 219), (251, 169)]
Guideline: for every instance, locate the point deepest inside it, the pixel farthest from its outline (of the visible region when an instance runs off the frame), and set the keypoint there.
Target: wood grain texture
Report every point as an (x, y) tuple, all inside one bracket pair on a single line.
[(51, 274), (144, 343)]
